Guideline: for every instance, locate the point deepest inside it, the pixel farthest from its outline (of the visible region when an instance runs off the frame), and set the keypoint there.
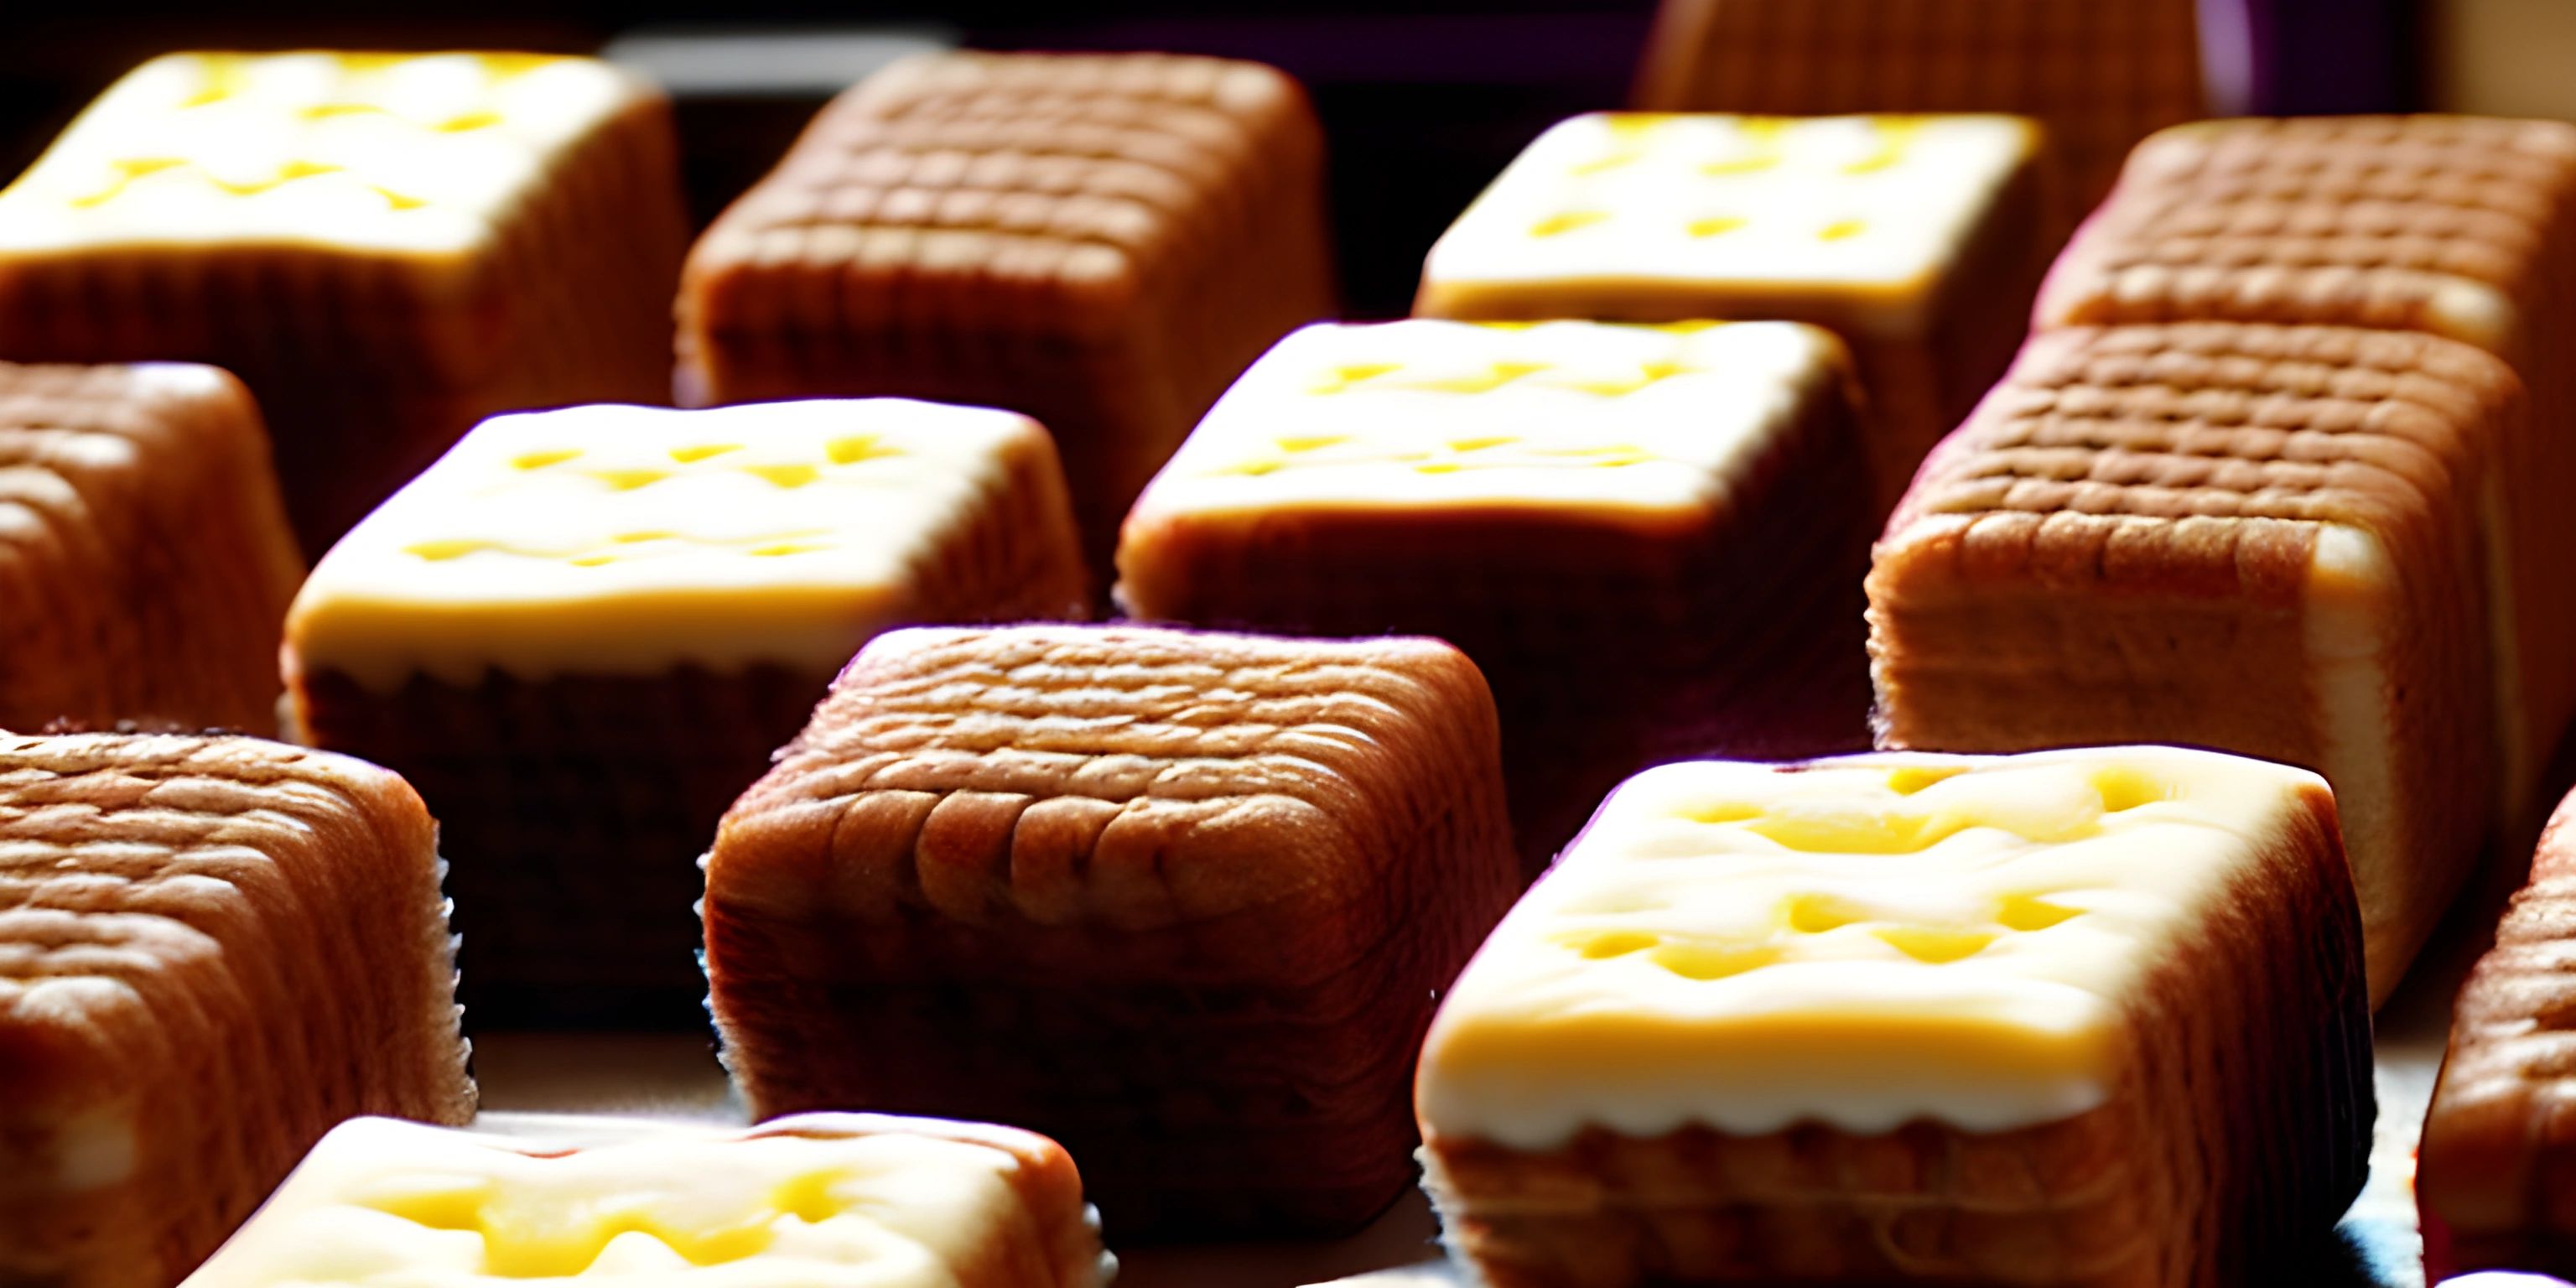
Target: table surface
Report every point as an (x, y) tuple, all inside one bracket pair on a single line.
[(530, 1079)]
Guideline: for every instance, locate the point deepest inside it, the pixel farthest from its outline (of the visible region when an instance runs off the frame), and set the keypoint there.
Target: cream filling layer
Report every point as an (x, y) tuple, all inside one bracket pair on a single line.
[(1861, 944)]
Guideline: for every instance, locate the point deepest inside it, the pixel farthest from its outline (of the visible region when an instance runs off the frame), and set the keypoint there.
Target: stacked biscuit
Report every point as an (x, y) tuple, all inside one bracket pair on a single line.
[(582, 633), (1181, 900), (211, 951), (1207, 905), (2076, 1018), (2257, 423), (143, 549)]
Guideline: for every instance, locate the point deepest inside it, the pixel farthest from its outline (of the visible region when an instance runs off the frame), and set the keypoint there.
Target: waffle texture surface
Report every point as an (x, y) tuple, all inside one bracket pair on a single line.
[(1179, 900), (2261, 539), (211, 951), (143, 550)]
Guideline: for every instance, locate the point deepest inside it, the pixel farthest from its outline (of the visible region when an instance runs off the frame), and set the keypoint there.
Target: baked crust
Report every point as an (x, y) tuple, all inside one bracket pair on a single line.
[(2498, 1156), (143, 548), (2457, 226), (1099, 241), (211, 951), (1179, 900), (2136, 540)]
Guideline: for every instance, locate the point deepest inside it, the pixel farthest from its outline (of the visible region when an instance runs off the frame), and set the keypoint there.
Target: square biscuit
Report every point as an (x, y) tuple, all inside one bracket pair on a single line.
[(385, 247), (582, 632), (143, 550), (211, 951), (1101, 241), (2072, 1018), (1911, 237), (2261, 539), (1178, 900), (2097, 76), (1686, 499), (818, 1198), (2455, 226), (2497, 1155)]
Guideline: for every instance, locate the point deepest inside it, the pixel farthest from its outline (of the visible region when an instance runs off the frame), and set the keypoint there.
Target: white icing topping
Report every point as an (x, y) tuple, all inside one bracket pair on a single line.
[(1861, 943), (625, 540), (388, 1203), (1666, 211), (1416, 414), (417, 154)]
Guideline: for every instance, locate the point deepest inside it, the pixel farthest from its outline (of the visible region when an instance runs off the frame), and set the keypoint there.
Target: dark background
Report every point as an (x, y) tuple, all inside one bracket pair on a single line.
[(1424, 100)]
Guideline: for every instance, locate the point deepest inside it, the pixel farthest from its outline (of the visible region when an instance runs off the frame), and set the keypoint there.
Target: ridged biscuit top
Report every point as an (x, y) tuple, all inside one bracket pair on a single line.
[(1858, 942), (624, 540), (69, 421), (124, 855), (1145, 776), (1650, 209), (2331, 424), (827, 1200), (2435, 223), (1086, 172), (1635, 419), (398, 154)]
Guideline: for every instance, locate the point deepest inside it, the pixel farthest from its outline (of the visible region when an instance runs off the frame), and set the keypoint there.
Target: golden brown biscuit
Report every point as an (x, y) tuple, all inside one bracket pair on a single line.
[(2252, 538), (1178, 900), (1099, 241), (385, 247), (211, 951), (582, 633), (817, 1198), (2087, 1017), (143, 550), (1650, 539), (2098, 76), (2498, 1159), (2457, 226)]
